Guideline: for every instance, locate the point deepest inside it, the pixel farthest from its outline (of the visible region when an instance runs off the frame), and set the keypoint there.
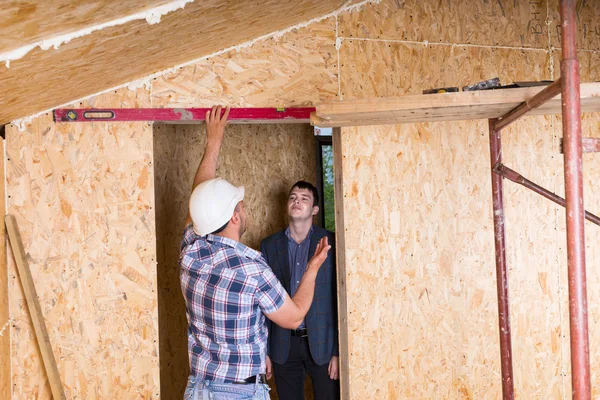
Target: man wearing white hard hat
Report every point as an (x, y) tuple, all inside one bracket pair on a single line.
[(229, 288)]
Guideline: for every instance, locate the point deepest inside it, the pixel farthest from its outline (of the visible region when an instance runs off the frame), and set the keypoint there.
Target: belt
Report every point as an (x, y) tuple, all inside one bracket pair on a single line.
[(300, 332), (261, 379)]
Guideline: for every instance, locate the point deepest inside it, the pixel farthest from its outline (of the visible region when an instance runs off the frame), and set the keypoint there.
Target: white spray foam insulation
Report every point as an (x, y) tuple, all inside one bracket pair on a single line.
[(152, 16), (147, 80)]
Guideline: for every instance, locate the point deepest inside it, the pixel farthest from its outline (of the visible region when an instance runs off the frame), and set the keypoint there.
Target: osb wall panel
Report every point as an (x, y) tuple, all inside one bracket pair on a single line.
[(267, 160), (365, 67), (425, 270), (431, 278), (502, 22), (295, 70), (591, 128), (531, 148), (83, 198), (588, 24)]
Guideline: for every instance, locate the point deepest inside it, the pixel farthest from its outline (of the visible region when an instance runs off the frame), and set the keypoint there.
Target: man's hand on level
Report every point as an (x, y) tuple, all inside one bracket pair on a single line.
[(215, 124)]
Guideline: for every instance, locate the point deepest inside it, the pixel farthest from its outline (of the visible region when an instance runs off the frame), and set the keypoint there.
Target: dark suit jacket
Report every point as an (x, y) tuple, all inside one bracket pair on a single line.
[(321, 320)]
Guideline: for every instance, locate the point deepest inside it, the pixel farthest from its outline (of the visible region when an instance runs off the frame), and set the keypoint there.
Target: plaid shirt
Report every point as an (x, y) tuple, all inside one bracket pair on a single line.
[(228, 287)]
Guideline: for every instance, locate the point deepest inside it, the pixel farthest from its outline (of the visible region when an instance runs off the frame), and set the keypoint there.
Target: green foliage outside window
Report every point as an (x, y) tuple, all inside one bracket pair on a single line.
[(328, 194)]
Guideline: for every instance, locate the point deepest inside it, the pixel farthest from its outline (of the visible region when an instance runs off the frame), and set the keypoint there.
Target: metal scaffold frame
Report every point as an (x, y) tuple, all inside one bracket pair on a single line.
[(568, 86)]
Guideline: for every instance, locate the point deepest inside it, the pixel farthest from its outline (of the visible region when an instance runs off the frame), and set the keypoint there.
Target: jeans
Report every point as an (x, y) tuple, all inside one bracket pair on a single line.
[(208, 390)]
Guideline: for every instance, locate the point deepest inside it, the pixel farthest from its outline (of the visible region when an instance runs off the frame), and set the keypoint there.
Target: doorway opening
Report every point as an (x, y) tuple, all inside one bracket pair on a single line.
[(266, 159)]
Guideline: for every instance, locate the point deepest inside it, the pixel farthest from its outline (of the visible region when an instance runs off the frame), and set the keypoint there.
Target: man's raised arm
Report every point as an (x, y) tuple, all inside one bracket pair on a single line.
[(215, 131)]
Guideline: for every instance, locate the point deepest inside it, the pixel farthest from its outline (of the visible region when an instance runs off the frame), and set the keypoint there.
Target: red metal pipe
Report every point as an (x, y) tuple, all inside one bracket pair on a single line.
[(571, 112), (548, 93), (501, 269), (514, 176)]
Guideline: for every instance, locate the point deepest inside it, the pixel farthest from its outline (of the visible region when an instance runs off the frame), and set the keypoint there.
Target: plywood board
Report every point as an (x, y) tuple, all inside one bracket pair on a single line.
[(267, 160), (365, 67), (290, 71), (427, 284), (33, 306), (589, 65), (25, 23), (533, 254), (588, 24), (522, 23), (425, 266), (591, 171), (83, 198), (103, 59)]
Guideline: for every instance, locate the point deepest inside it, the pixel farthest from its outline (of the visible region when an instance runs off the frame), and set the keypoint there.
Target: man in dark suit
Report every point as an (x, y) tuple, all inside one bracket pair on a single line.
[(313, 347)]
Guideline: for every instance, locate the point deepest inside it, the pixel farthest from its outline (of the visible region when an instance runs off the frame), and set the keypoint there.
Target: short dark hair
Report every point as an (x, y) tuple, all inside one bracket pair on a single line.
[(308, 186), (221, 229)]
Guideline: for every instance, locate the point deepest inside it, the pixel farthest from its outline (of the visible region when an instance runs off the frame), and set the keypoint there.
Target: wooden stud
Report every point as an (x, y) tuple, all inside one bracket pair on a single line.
[(5, 375), (34, 307), (341, 264)]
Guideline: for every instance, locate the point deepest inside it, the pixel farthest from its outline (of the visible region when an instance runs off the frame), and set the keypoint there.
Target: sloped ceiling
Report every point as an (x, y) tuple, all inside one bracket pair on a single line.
[(27, 22), (115, 55)]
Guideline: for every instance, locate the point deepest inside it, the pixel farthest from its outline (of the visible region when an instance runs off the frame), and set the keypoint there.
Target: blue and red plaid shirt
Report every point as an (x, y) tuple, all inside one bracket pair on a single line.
[(228, 287)]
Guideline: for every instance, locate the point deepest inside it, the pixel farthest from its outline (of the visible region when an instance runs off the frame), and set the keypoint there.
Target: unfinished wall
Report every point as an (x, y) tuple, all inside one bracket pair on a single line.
[(83, 199), (421, 302), (435, 306), (266, 160)]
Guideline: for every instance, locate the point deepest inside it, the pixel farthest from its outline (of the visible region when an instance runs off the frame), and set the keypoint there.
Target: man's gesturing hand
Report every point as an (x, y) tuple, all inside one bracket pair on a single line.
[(215, 124), (320, 255)]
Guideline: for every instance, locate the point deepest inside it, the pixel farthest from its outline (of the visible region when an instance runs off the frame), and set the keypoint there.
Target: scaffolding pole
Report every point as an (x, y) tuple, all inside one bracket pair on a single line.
[(501, 269), (568, 86), (571, 121)]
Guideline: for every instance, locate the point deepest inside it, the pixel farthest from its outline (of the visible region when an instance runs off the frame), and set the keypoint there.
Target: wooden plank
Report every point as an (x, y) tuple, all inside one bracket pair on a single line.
[(35, 310), (5, 380), (341, 264), (442, 107)]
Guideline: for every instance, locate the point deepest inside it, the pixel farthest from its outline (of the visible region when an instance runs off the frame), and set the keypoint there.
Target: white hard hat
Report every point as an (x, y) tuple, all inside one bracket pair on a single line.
[(212, 204)]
